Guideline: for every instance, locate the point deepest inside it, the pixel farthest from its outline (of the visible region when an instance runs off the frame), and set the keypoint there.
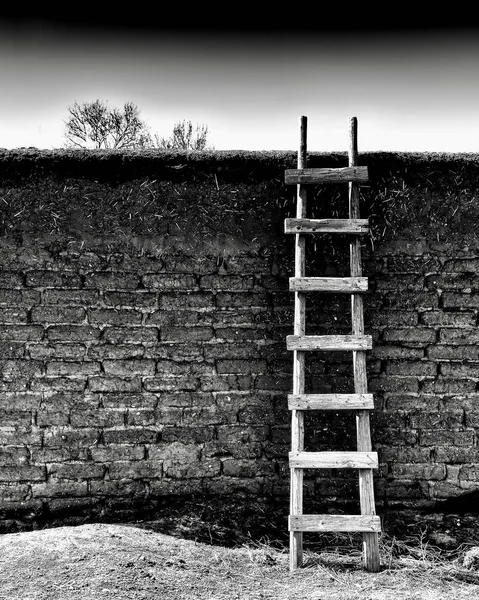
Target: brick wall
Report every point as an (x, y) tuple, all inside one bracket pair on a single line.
[(143, 334)]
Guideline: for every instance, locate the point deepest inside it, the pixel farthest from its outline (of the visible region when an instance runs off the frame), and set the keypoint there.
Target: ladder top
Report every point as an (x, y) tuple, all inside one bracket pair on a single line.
[(340, 175)]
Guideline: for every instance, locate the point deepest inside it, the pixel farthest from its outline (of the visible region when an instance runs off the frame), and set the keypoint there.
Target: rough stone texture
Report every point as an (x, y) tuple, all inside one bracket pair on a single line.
[(143, 338)]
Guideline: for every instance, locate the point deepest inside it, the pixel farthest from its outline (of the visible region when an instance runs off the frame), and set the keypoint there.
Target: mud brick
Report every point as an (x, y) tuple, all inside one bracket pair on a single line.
[(114, 384), (61, 506), (49, 418), (448, 386), (13, 315), (109, 280), (256, 415), (399, 454), (23, 333), (414, 335), (129, 368), (188, 435), (170, 282), (11, 456), (68, 437), (227, 282), (23, 473), (239, 333), (118, 487), (409, 367), (77, 471), (448, 319), (120, 452), (19, 419), (13, 368), (61, 351), (141, 416), (406, 300), (440, 420), (131, 435), (114, 316), (459, 337), (183, 263), (458, 370), (114, 351), (243, 300), (453, 353), (462, 265), (233, 467), (183, 334), (139, 469), (389, 318), (57, 314), (59, 489), (227, 350), (13, 492), (63, 384), (171, 383), (411, 402), (52, 279), (393, 384), (178, 317), (11, 279), (444, 437), (71, 297), (137, 299), (129, 400), (461, 301), (73, 333), (397, 352), (99, 417), (244, 367), (187, 301), (17, 298), (72, 369), (130, 335)]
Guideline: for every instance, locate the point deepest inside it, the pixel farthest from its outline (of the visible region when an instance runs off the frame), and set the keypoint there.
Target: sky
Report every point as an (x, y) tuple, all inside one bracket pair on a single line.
[(412, 88)]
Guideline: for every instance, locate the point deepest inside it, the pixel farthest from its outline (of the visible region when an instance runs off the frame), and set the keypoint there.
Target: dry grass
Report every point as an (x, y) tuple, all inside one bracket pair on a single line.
[(95, 562)]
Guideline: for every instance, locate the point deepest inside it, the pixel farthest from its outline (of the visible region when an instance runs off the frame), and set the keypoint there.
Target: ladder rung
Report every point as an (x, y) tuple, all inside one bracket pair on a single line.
[(342, 285), (371, 523), (329, 342), (349, 226), (330, 401), (333, 460), (339, 175)]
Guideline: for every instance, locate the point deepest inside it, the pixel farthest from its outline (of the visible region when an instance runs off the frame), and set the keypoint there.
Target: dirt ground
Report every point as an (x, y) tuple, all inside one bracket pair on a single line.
[(126, 562)]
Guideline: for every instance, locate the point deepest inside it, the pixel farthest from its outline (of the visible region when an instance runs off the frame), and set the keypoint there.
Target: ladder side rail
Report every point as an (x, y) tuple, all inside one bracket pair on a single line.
[(366, 484), (299, 359)]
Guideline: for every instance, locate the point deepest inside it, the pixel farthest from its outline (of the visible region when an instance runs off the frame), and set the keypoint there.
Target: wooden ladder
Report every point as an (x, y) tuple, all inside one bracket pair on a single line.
[(358, 343)]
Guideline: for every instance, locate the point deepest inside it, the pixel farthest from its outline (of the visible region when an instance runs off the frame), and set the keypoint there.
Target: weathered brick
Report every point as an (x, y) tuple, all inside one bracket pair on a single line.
[(130, 335), (454, 353), (125, 488), (58, 314), (187, 301), (115, 351), (11, 456), (406, 335), (170, 383), (448, 319), (243, 300), (389, 318), (407, 300), (72, 369), (99, 417), (442, 385), (15, 315), (63, 384), (245, 367), (23, 473), (114, 316), (410, 367), (183, 334), (119, 452), (227, 282), (109, 280), (444, 437), (459, 337), (170, 282), (234, 467), (77, 471), (129, 368), (114, 384), (458, 300), (462, 265), (73, 333), (64, 351), (139, 469), (71, 297), (13, 368), (16, 298), (11, 279), (58, 489), (131, 435), (458, 370), (136, 299), (22, 333), (53, 279)]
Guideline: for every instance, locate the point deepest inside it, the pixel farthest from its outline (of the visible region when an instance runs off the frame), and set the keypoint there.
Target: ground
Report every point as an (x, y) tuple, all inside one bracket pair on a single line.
[(132, 562)]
